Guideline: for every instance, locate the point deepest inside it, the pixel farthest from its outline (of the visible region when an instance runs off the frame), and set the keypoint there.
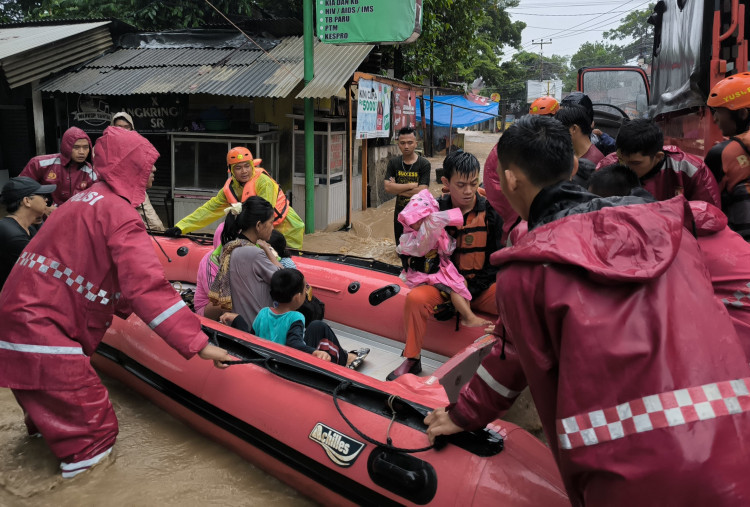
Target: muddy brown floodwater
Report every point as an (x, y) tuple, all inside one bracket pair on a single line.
[(158, 460)]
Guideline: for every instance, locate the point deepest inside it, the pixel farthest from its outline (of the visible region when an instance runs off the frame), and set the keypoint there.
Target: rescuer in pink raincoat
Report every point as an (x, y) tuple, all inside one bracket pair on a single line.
[(725, 253), (664, 170), (641, 384), (70, 170), (92, 257)]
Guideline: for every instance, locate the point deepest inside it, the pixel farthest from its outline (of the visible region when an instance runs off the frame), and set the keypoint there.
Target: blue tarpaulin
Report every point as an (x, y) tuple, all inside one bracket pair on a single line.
[(461, 117)]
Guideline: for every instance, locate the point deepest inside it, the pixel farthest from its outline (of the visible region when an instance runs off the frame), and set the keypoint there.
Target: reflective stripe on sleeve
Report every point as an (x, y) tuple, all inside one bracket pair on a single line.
[(90, 172), (166, 314), (42, 349), (495, 385), (49, 162), (663, 410)]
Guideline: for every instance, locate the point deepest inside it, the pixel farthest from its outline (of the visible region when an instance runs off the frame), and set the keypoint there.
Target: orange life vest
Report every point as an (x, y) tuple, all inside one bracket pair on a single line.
[(281, 207), (471, 243)]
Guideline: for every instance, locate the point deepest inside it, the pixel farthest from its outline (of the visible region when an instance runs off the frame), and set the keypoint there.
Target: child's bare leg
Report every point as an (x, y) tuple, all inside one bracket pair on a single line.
[(468, 318)]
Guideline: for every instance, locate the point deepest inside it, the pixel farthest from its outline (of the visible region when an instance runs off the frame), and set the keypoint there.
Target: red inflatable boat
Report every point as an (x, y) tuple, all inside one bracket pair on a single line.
[(337, 435)]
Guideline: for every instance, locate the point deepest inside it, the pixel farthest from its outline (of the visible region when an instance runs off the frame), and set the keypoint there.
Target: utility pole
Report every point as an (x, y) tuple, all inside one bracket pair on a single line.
[(541, 43)]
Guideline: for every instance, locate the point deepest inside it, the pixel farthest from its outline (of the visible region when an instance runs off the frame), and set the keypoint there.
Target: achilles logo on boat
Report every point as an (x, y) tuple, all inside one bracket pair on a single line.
[(341, 449)]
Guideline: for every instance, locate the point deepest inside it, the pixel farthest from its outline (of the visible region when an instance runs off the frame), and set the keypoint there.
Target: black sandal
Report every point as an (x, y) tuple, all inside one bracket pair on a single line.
[(357, 361)]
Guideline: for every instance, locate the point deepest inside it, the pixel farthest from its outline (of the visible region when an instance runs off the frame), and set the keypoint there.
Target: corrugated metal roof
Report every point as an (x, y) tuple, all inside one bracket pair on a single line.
[(239, 73), (333, 66), (33, 52), (18, 40)]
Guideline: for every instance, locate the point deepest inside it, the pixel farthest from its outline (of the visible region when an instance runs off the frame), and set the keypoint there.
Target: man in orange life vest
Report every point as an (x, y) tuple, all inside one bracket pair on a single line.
[(476, 240), (246, 178)]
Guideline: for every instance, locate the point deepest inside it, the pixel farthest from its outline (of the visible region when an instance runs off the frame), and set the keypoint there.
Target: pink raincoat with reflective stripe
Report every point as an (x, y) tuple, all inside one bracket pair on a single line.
[(58, 169), (91, 255), (636, 370)]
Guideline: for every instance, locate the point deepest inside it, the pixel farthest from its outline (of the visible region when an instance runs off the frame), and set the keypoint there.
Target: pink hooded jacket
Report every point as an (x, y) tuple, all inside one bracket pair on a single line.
[(92, 255), (727, 257), (495, 195), (641, 384), (58, 169), (424, 231), (681, 174)]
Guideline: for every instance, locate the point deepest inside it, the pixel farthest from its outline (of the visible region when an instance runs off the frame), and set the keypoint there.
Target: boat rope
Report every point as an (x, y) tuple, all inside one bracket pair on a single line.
[(346, 384)]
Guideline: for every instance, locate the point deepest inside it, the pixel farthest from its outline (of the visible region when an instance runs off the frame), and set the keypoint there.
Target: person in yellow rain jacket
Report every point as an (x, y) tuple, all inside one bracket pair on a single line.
[(246, 178)]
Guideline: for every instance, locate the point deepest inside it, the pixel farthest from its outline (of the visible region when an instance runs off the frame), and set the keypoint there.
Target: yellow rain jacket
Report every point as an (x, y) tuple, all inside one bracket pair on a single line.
[(293, 228)]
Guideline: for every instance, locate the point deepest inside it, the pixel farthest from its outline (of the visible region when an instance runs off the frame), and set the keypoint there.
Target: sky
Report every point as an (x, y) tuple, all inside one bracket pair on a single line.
[(568, 23)]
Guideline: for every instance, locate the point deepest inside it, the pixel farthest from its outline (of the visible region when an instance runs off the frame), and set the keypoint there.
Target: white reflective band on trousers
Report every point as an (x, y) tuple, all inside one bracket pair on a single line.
[(166, 314), (663, 410), (42, 349), (495, 385), (72, 469)]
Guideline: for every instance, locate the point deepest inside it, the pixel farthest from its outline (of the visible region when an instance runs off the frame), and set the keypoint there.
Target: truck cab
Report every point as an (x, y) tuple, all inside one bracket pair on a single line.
[(697, 43)]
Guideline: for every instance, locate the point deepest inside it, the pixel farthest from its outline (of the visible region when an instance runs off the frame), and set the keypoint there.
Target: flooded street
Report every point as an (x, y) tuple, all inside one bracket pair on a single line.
[(158, 460)]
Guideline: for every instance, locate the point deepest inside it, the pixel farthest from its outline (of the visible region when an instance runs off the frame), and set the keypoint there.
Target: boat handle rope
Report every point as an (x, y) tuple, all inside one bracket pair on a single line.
[(389, 443), (342, 386), (259, 360)]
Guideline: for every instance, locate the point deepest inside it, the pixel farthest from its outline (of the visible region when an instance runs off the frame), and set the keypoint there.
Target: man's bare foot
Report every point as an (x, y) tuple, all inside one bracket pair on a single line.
[(475, 321)]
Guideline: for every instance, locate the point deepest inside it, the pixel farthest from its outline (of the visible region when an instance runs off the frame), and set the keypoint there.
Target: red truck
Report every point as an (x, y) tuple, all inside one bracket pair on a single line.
[(696, 45)]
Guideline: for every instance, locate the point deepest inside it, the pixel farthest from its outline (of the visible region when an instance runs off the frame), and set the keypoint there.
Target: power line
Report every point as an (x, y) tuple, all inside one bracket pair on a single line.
[(597, 24)]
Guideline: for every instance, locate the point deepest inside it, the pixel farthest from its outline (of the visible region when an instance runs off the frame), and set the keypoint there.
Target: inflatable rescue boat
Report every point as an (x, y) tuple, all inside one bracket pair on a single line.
[(337, 435)]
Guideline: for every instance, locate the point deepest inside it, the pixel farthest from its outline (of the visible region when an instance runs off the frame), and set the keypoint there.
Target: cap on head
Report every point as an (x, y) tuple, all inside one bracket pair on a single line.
[(732, 92), (544, 106), (579, 99), (18, 188)]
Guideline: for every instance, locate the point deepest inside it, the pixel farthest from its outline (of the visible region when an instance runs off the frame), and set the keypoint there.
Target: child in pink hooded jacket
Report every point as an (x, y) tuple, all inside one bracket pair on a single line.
[(425, 238)]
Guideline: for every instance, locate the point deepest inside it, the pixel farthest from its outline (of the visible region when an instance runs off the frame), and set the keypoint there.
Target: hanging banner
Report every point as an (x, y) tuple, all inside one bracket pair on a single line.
[(368, 21), (404, 111), (373, 110)]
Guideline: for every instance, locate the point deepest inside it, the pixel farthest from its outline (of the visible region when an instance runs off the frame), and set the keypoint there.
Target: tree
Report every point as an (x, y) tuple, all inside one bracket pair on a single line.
[(147, 14), (635, 26), (526, 66), (460, 41), (12, 11), (592, 54)]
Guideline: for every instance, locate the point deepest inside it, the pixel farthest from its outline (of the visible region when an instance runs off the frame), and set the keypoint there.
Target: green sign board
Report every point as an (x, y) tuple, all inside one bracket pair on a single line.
[(368, 21)]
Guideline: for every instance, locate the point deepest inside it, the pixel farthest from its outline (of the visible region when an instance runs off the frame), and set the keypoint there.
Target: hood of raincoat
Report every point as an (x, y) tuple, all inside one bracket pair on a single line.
[(614, 240), (420, 206), (124, 159), (708, 218), (69, 138)]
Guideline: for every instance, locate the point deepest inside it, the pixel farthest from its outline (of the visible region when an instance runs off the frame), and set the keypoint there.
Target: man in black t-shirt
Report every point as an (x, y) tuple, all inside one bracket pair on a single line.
[(406, 175), (26, 203)]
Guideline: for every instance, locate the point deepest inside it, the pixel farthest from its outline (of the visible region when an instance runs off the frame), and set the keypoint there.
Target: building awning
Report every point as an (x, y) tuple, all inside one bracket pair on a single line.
[(29, 53), (246, 71)]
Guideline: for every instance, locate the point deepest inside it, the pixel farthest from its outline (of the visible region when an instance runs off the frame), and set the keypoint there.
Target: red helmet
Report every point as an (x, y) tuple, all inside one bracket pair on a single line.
[(544, 106), (732, 92), (239, 154)]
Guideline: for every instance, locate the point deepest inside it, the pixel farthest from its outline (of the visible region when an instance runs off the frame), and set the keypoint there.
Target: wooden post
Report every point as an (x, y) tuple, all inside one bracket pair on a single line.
[(36, 104)]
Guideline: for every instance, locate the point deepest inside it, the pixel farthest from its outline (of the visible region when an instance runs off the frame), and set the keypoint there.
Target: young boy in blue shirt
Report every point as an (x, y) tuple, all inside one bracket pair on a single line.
[(285, 325)]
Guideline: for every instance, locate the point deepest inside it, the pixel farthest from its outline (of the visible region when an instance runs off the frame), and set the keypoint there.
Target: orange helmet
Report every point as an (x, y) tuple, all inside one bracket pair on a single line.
[(239, 154), (732, 92), (544, 106)]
